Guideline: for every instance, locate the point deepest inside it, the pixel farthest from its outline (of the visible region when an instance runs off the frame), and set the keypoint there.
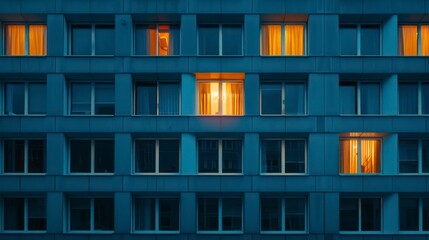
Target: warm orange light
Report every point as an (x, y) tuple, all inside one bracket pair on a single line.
[(294, 40), (271, 40), (16, 36), (368, 161), (15, 40), (408, 40)]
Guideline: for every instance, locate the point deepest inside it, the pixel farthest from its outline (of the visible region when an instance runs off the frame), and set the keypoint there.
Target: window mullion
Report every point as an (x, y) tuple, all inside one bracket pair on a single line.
[(283, 84), (25, 156), (283, 156), (360, 214), (25, 214), (283, 214), (220, 98), (419, 42), (419, 98), (156, 40), (92, 98), (92, 156), (92, 206), (283, 39), (220, 39), (27, 40), (359, 141), (157, 97), (420, 156), (156, 214), (157, 156), (26, 90), (358, 99), (93, 39), (220, 157), (359, 52)]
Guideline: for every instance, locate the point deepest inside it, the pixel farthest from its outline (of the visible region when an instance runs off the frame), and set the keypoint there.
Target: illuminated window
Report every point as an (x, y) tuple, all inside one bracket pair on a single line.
[(359, 98), (220, 156), (25, 98), (25, 40), (157, 156), (413, 40), (156, 215), (360, 39), (359, 156), (90, 214), (283, 39), (157, 39), (413, 214), (92, 39), (219, 215), (92, 98), (24, 214), (92, 156), (220, 39), (24, 156), (360, 214), (280, 215)]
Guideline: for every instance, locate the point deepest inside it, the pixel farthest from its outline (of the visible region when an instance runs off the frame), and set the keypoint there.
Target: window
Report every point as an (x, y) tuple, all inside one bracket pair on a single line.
[(360, 39), (360, 214), (413, 156), (220, 39), (92, 39), (24, 156), (414, 97), (92, 156), (222, 97), (25, 40), (218, 215), (156, 215), (283, 215), (286, 98), (283, 156), (24, 214), (25, 98), (360, 156), (413, 214), (91, 214), (413, 40), (157, 156), (360, 98), (157, 98), (220, 156), (157, 39), (283, 39), (92, 98)]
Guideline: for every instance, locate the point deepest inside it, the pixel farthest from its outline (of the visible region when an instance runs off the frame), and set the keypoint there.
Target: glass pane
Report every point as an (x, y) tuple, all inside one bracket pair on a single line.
[(370, 40), (37, 40), (146, 99), (80, 214), (271, 40), (295, 214), (80, 156), (408, 98), (370, 156), (408, 156), (169, 214), (348, 40), (37, 214), (371, 214), (232, 98), (145, 40), (425, 98), (425, 214), (208, 156), (271, 98), (294, 98), (104, 156), (409, 214), (425, 156), (231, 214), (14, 214), (295, 156), (424, 35), (231, 156), (169, 156), (349, 214), (168, 40), (14, 40), (168, 99), (145, 214), (103, 214), (81, 40), (36, 156), (145, 156), (14, 156), (348, 98), (105, 40), (104, 99), (208, 219), (81, 98), (15, 98), (208, 40), (232, 43), (294, 40), (408, 40), (36, 98), (271, 214), (208, 98), (370, 98), (271, 156)]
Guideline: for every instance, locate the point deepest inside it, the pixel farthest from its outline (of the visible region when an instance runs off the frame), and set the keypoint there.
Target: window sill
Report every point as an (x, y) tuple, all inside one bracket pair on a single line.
[(219, 174), (155, 232), (283, 232), (360, 174), (283, 115), (361, 232), (93, 56), (23, 174), (155, 174), (24, 115), (283, 174), (90, 174), (89, 232), (219, 232), (23, 232), (89, 115)]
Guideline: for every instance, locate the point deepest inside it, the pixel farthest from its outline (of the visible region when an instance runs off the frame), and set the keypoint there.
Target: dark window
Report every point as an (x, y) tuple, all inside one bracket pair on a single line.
[(219, 156), (92, 98), (408, 98), (359, 98), (210, 213), (370, 98), (231, 156), (208, 40), (210, 43), (91, 214), (36, 98), (365, 210), (91, 156), (231, 214), (169, 156), (348, 39), (24, 214), (80, 214), (14, 156), (157, 156), (349, 214), (271, 214), (14, 214), (370, 40), (103, 214), (104, 99), (283, 156), (24, 156), (371, 214), (36, 156), (409, 214), (425, 213), (169, 214), (80, 156), (93, 40), (81, 98), (25, 98), (294, 156), (271, 156), (348, 96), (271, 98), (104, 40), (208, 156), (360, 39), (36, 214), (425, 156), (144, 214), (295, 214), (104, 151), (232, 40), (157, 98), (145, 156), (292, 102), (273, 210), (81, 40), (408, 156)]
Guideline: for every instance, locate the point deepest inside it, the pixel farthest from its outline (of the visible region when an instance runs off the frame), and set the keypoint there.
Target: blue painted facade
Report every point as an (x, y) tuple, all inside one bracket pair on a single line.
[(322, 126)]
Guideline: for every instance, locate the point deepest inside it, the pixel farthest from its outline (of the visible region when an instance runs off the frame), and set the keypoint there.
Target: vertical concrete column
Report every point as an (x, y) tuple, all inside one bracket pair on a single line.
[(316, 154), (56, 159), (390, 213), (251, 154), (123, 212), (389, 163), (332, 213), (389, 103), (251, 89), (123, 35), (188, 154), (390, 36), (2, 97), (323, 94), (57, 35), (316, 210), (251, 212), (123, 154), (332, 151), (251, 35), (323, 35), (188, 206), (188, 28), (123, 95), (55, 205), (188, 92), (56, 98)]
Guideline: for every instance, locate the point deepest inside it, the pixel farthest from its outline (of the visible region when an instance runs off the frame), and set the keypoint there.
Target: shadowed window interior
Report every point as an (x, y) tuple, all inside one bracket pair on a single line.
[(413, 40), (157, 98), (360, 98), (360, 214), (25, 40), (360, 156), (413, 156), (24, 214), (92, 39), (414, 97), (220, 39), (25, 98), (157, 39), (157, 156), (156, 214), (220, 214), (24, 156), (220, 156), (91, 156), (413, 214), (91, 214), (283, 156), (283, 39), (283, 98), (283, 214), (92, 98), (361, 40)]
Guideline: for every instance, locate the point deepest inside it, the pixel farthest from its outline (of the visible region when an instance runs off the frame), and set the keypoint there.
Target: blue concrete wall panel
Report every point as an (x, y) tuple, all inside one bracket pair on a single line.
[(351, 6), (324, 183), (10, 124), (54, 204), (56, 34), (316, 154), (347, 184), (374, 65), (269, 64), (317, 31), (372, 7), (204, 184), (251, 154), (72, 183), (251, 205), (73, 124), (10, 64), (377, 184), (390, 96), (188, 94), (123, 154), (391, 218), (37, 184), (73, 65), (320, 64), (106, 6), (37, 65), (316, 212), (416, 7), (140, 64), (123, 211), (123, 35), (350, 65), (304, 6), (41, 6), (188, 158), (389, 163), (208, 64), (408, 184), (105, 184), (331, 94), (271, 124), (237, 6), (172, 124), (408, 64), (301, 64), (349, 124), (204, 6), (10, 183), (105, 124), (205, 124), (106, 65), (188, 26), (37, 124), (269, 6), (390, 35), (377, 124), (236, 184), (251, 34), (331, 213), (55, 159), (56, 95), (10, 6), (316, 97), (236, 124), (300, 184), (251, 98), (234, 64), (268, 184), (172, 64), (331, 154), (139, 183), (409, 124), (172, 184), (187, 205), (331, 35), (139, 124), (123, 95), (74, 6)]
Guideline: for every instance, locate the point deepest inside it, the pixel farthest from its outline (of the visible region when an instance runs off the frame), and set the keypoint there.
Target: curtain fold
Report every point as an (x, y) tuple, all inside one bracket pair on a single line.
[(164, 40), (204, 92), (232, 97), (408, 40), (271, 40), (424, 33), (349, 156), (294, 35), (15, 40), (168, 99), (370, 159), (37, 40)]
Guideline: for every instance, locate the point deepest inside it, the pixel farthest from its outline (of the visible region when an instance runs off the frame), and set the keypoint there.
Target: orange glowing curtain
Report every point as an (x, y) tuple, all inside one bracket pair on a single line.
[(208, 97), (151, 40), (232, 98), (37, 40), (271, 40), (349, 156), (370, 156), (424, 33), (15, 40), (164, 40), (408, 40), (294, 35)]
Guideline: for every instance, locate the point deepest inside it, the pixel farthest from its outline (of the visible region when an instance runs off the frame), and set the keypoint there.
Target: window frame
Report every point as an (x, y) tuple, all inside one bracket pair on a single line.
[(283, 157), (157, 31), (93, 94), (419, 39), (220, 156), (359, 140), (26, 97), (220, 44), (26, 153), (283, 83), (92, 26), (420, 217), (27, 38), (419, 156), (359, 38), (358, 84), (360, 231), (419, 95), (283, 40), (92, 156)]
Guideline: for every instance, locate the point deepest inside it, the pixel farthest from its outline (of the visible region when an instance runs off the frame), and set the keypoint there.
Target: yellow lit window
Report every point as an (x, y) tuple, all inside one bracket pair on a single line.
[(157, 39), (21, 40), (359, 156), (414, 40), (279, 40), (220, 96)]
